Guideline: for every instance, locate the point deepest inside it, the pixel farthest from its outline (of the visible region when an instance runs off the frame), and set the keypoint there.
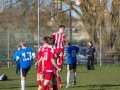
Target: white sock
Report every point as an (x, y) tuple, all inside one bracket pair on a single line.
[(75, 74), (22, 84), (68, 77)]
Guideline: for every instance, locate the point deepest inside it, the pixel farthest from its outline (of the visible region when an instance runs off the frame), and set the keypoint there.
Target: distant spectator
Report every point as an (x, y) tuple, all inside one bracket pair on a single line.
[(90, 51), (17, 62)]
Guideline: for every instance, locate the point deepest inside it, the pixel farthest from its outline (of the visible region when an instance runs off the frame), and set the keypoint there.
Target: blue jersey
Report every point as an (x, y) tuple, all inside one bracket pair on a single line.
[(25, 57), (71, 52), (15, 54)]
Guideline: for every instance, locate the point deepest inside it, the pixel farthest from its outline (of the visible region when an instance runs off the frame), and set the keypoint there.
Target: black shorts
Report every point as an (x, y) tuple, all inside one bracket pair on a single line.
[(24, 72), (71, 66)]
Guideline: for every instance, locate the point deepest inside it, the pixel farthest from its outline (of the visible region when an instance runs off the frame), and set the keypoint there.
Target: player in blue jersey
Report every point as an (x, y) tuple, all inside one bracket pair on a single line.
[(26, 56), (17, 62), (71, 52)]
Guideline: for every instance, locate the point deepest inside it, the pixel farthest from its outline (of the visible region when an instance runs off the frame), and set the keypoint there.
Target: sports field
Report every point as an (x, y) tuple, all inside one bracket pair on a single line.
[(102, 78)]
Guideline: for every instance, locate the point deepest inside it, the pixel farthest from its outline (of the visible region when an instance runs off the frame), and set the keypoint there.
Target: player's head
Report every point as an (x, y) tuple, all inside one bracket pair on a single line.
[(23, 43), (45, 39), (61, 28), (90, 43), (68, 43), (51, 41)]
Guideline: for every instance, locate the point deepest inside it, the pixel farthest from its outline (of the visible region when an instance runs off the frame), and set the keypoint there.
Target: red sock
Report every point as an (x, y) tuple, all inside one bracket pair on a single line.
[(47, 88), (50, 85), (44, 87), (59, 80), (54, 87), (39, 82)]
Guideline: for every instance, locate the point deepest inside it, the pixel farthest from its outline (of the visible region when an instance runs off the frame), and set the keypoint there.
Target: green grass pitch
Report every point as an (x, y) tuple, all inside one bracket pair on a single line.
[(102, 78)]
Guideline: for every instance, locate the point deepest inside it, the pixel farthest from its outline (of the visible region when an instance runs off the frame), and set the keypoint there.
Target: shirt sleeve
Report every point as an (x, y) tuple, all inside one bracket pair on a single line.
[(33, 53), (64, 37), (52, 55), (94, 49), (53, 35), (15, 55), (18, 55), (66, 50)]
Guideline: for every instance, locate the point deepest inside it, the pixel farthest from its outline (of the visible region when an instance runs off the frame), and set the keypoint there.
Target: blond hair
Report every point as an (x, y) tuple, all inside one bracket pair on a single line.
[(23, 42)]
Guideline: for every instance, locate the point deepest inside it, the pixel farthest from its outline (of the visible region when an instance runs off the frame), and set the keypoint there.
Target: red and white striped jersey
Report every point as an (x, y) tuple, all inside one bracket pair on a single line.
[(59, 40)]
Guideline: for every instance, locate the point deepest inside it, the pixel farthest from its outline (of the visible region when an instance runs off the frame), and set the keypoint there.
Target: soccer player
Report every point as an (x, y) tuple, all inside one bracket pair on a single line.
[(17, 62), (26, 56), (71, 52), (59, 49), (40, 67), (49, 64)]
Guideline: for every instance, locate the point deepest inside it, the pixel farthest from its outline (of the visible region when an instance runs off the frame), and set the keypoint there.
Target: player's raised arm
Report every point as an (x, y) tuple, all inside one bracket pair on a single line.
[(53, 35), (80, 50)]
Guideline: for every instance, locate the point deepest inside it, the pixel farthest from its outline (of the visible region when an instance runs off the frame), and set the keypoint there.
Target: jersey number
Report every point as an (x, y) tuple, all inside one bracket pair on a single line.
[(28, 56), (45, 55), (73, 53)]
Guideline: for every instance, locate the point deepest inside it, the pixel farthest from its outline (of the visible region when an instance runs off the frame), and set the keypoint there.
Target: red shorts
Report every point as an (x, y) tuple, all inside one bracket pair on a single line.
[(59, 50), (49, 76)]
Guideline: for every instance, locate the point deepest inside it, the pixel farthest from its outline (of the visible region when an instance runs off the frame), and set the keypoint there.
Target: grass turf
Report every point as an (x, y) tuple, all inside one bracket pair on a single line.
[(102, 78)]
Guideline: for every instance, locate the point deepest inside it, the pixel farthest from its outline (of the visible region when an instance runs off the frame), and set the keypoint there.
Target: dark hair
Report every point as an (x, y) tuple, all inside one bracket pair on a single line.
[(62, 26), (68, 43), (51, 41), (91, 43), (46, 39)]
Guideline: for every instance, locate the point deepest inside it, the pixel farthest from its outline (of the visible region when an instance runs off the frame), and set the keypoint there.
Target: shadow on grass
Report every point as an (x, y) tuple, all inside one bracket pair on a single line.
[(17, 87), (10, 80), (103, 86), (31, 86), (14, 87)]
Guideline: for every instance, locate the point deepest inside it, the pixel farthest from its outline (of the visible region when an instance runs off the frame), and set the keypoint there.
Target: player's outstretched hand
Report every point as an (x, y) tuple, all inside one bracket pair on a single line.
[(35, 65), (59, 69), (85, 55)]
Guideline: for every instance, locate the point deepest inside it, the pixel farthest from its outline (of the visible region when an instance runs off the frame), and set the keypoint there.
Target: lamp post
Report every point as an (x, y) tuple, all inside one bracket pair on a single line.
[(100, 49), (8, 44), (38, 24), (70, 25)]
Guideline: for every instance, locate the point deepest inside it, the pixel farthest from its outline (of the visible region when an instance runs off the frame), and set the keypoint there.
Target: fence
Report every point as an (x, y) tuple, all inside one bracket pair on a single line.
[(11, 38)]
